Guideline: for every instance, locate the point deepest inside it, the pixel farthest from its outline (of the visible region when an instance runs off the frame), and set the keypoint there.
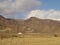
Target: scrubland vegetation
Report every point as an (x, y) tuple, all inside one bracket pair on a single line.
[(30, 40)]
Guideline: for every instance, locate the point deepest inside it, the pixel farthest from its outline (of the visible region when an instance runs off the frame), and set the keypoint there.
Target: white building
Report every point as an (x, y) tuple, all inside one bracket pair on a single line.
[(19, 33)]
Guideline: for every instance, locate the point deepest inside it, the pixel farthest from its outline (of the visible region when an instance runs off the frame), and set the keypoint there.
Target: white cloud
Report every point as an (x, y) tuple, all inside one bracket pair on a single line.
[(11, 7), (45, 14)]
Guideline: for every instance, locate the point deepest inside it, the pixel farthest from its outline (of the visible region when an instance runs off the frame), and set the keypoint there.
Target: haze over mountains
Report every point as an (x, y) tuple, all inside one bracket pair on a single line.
[(31, 25)]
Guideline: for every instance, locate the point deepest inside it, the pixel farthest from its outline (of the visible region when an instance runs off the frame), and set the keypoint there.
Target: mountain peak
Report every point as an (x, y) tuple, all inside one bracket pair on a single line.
[(34, 18), (1, 16)]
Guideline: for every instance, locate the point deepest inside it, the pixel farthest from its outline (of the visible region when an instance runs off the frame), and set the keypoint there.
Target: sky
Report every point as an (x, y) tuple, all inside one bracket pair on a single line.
[(50, 4), (44, 9)]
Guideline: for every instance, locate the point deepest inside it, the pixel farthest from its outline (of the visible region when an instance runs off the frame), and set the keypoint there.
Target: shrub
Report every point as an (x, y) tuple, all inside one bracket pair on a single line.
[(55, 35)]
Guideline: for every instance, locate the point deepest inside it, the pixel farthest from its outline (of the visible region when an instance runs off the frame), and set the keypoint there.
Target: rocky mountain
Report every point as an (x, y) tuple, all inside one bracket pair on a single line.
[(31, 25)]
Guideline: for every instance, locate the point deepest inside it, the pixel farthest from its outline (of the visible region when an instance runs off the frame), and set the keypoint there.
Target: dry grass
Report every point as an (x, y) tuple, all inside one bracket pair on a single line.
[(31, 41)]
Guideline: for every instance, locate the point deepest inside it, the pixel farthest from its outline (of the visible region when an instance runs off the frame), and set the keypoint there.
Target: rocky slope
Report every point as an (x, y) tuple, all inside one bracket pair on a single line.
[(31, 25)]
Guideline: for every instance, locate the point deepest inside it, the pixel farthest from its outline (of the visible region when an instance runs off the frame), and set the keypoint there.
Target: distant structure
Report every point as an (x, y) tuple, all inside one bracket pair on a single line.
[(20, 33)]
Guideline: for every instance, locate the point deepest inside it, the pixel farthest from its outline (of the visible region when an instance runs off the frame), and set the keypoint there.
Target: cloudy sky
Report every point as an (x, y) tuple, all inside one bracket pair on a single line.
[(45, 9)]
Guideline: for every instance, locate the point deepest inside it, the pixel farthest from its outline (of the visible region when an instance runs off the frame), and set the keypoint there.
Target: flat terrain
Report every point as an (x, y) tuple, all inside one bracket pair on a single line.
[(31, 41)]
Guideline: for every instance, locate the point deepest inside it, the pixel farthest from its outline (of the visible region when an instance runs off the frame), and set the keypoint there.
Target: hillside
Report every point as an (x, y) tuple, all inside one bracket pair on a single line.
[(31, 25)]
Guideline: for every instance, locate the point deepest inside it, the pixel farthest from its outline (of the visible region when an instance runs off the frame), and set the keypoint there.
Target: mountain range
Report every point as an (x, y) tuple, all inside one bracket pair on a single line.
[(31, 25)]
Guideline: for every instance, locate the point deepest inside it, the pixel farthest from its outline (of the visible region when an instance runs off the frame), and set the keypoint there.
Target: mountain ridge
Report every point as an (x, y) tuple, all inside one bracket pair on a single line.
[(31, 25)]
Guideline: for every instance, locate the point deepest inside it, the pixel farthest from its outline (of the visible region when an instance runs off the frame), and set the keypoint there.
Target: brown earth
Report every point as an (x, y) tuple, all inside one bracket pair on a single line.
[(31, 25)]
